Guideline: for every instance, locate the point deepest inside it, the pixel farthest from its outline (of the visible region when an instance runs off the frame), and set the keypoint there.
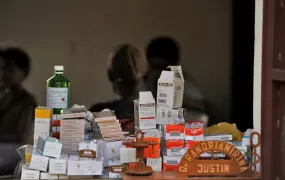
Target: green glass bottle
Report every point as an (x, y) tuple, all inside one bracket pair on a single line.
[(58, 91)]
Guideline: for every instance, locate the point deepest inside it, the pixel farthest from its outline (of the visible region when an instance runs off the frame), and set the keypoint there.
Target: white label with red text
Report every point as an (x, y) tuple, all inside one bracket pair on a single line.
[(57, 97)]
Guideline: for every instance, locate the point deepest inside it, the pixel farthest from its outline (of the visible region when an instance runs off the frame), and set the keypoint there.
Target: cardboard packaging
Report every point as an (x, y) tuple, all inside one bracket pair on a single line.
[(170, 88), (42, 125), (218, 137), (104, 116), (166, 115), (246, 137), (71, 134), (170, 163), (74, 113), (112, 151), (144, 111), (92, 149), (175, 148), (84, 167), (155, 164), (48, 176), (108, 124), (29, 174), (49, 146), (39, 162), (194, 131), (87, 150), (58, 166), (175, 131), (128, 155), (114, 162)]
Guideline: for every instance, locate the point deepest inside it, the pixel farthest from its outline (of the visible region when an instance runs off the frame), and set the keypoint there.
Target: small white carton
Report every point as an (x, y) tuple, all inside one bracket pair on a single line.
[(85, 167), (170, 88), (144, 110), (218, 137), (166, 115), (48, 176), (246, 137), (58, 166), (49, 146), (30, 174), (39, 162), (112, 151), (155, 163)]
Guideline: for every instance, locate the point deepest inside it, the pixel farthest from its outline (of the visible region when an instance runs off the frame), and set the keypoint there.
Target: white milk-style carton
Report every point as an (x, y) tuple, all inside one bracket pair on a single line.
[(144, 110), (170, 88)]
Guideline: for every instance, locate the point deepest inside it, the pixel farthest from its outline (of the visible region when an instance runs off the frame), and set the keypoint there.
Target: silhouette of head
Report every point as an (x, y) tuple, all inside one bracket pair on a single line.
[(15, 65), (163, 51), (127, 66)]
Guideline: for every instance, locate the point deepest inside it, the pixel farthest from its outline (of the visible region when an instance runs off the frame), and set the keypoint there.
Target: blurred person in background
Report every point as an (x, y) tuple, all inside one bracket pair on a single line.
[(162, 52), (127, 67), (16, 107)]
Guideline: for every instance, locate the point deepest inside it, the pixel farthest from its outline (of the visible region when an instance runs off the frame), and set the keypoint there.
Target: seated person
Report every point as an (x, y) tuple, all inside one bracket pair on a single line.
[(127, 66), (161, 53), (16, 107)]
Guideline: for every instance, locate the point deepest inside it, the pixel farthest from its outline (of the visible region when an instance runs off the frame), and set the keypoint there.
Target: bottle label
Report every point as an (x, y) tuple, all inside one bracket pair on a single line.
[(57, 97)]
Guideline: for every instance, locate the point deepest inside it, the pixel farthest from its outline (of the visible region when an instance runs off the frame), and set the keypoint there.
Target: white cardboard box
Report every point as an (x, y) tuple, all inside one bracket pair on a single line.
[(86, 167), (128, 155), (49, 146), (218, 137), (48, 176), (246, 137), (170, 88), (155, 163), (39, 162), (166, 115), (30, 174), (144, 110), (112, 151), (58, 166)]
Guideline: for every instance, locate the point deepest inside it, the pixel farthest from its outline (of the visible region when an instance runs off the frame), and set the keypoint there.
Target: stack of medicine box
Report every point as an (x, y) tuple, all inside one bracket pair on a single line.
[(145, 120), (72, 128), (170, 89)]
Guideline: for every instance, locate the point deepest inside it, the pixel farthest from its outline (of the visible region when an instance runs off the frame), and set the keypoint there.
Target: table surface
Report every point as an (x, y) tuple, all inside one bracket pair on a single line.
[(173, 175)]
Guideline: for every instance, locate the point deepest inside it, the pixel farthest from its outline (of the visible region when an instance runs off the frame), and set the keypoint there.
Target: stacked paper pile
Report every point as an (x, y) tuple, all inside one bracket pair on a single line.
[(72, 130), (110, 127)]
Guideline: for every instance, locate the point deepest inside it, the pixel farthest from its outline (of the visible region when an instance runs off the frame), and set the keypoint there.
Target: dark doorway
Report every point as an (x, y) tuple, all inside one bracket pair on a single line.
[(242, 66)]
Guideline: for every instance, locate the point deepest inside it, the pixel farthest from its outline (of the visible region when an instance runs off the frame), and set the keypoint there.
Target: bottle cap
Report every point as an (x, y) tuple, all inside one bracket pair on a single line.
[(58, 68)]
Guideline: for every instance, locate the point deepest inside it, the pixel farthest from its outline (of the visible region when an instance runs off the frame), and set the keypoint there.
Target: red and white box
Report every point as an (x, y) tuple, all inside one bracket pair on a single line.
[(174, 131), (170, 163), (175, 147), (194, 131), (144, 111)]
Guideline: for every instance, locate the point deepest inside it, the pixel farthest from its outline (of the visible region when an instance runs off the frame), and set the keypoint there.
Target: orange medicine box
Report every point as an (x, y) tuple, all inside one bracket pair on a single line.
[(153, 151), (174, 131), (175, 147), (194, 131)]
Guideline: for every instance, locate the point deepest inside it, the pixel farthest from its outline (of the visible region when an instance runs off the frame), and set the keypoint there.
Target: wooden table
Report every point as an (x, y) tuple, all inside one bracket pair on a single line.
[(175, 176)]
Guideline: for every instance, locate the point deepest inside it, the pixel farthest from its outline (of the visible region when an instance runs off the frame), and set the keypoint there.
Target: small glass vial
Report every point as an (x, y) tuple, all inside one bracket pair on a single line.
[(58, 91)]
